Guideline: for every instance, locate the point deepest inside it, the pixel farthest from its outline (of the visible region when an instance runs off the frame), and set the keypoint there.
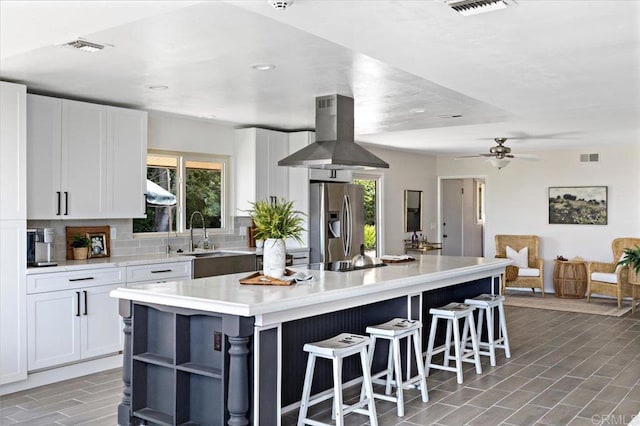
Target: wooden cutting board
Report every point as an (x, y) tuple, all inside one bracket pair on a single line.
[(84, 230), (258, 278)]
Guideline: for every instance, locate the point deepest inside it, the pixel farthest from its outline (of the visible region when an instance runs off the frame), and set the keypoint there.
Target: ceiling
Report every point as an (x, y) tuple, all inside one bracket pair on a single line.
[(558, 74)]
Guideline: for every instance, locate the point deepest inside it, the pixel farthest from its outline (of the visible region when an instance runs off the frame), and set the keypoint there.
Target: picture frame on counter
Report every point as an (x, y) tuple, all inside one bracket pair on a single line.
[(98, 246)]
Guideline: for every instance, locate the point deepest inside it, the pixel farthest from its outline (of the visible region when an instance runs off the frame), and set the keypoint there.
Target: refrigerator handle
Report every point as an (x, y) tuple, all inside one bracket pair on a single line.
[(348, 225)]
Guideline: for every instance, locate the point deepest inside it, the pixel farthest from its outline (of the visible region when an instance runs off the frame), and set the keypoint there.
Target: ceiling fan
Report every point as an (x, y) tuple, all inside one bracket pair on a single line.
[(500, 155)]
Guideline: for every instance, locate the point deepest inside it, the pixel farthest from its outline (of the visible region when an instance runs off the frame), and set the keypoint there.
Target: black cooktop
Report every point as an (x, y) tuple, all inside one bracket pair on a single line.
[(342, 266)]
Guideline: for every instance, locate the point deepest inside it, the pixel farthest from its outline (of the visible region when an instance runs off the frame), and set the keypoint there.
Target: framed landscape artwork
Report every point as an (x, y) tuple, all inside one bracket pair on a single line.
[(578, 205)]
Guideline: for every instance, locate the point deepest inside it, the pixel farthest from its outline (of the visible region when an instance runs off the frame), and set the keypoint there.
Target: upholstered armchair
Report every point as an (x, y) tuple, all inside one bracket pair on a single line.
[(530, 273), (608, 278)]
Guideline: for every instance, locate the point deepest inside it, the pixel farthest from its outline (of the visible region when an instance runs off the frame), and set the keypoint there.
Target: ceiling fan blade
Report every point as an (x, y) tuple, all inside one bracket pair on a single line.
[(465, 157), (519, 135), (527, 157)]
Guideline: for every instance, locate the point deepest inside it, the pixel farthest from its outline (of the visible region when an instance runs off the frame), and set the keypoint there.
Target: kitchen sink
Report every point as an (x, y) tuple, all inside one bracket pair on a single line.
[(213, 254), (209, 264)]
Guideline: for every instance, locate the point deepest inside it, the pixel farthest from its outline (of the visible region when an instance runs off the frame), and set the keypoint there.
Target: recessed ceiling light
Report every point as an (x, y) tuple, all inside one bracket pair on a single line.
[(157, 87), (417, 110), (263, 67)]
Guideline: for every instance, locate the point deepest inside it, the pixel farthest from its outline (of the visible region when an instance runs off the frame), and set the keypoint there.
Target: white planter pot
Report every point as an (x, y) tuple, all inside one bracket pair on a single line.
[(274, 257)]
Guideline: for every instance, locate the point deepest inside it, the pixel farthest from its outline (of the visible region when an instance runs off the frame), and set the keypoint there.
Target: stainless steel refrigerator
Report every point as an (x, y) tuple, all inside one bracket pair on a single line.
[(336, 221)]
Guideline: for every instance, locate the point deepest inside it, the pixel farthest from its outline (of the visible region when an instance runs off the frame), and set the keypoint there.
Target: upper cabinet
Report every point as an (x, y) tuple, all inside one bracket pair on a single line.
[(257, 174), (84, 160), (13, 175), (126, 162)]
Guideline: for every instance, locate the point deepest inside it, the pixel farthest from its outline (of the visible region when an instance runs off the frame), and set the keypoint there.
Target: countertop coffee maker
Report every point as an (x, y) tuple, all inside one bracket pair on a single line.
[(40, 247)]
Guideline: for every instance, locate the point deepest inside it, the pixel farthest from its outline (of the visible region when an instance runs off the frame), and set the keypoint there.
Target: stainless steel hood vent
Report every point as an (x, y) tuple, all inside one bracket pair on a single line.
[(334, 147)]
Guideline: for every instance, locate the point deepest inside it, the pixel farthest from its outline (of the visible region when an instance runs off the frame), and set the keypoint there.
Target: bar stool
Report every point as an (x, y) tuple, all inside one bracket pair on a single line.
[(393, 331), (452, 313), (336, 349), (488, 302)]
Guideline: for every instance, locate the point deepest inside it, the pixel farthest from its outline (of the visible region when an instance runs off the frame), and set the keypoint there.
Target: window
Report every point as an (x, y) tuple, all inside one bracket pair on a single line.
[(371, 184), (178, 184)]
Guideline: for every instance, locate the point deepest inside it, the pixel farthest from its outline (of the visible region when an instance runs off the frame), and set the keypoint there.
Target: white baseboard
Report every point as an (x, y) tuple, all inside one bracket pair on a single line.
[(67, 372)]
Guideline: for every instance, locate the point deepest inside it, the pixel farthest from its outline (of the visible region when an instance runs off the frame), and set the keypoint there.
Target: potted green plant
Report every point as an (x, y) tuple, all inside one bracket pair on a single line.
[(632, 259), (80, 244), (275, 222)]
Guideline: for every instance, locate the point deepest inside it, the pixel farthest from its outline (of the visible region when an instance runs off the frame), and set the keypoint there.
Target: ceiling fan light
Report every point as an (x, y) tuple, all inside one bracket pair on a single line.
[(499, 163)]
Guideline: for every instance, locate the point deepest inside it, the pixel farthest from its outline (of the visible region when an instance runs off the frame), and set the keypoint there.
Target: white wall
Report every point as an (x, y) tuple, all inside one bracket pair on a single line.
[(178, 133), (407, 170), (516, 200)]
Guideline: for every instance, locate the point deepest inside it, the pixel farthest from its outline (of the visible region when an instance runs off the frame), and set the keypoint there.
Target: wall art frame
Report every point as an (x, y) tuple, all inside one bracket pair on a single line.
[(578, 205)]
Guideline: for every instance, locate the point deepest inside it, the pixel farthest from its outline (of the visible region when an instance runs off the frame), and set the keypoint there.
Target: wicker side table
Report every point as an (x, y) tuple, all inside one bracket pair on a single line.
[(570, 279)]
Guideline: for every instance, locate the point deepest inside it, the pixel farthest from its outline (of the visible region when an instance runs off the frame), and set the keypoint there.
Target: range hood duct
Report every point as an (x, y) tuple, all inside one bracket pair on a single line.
[(334, 147)]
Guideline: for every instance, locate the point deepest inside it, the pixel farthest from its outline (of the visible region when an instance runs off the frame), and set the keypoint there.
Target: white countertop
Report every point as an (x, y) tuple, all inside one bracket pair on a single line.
[(109, 262), (119, 261), (224, 294)]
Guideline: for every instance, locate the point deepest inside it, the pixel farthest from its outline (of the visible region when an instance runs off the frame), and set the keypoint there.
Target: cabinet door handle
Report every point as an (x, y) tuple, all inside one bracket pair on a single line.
[(77, 303), (81, 279), (334, 174), (66, 203), (58, 213), (85, 302), (161, 271)]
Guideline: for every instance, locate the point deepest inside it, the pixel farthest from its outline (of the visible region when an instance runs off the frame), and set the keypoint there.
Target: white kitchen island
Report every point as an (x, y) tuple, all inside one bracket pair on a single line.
[(213, 351)]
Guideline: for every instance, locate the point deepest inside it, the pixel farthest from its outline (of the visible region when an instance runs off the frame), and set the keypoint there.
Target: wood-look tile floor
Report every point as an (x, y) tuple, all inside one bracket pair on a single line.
[(566, 369)]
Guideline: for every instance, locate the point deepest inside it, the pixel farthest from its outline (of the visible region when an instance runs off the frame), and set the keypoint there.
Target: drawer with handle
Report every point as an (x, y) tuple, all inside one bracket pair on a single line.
[(40, 283), (159, 272)]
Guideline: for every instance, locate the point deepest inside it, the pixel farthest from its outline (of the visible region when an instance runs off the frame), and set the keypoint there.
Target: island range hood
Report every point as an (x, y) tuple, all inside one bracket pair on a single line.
[(334, 147)]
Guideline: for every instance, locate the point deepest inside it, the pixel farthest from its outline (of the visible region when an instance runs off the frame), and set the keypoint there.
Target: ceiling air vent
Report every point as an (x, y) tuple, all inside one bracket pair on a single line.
[(474, 7), (86, 46), (280, 4), (589, 158)]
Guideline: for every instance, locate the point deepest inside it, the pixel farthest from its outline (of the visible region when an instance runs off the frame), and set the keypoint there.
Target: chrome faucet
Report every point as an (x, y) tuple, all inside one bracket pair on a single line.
[(205, 242)]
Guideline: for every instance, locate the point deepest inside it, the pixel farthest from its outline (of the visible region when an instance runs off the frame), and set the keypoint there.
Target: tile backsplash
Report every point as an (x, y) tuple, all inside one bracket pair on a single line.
[(126, 244)]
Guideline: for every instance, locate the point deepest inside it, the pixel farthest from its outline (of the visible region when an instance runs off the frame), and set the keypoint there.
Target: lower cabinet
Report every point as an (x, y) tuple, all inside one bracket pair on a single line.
[(177, 370), (71, 325)]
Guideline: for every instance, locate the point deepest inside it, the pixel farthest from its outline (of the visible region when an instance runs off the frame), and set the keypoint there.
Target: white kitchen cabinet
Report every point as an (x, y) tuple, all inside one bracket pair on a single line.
[(54, 328), (44, 140), (100, 325), (70, 316), (84, 160), (13, 214), (126, 162), (257, 174), (13, 132), (71, 325), (299, 185), (13, 312), (159, 272)]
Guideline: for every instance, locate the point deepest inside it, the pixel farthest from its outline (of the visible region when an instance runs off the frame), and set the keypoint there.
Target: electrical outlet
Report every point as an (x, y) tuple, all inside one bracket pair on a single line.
[(217, 341), (113, 233)]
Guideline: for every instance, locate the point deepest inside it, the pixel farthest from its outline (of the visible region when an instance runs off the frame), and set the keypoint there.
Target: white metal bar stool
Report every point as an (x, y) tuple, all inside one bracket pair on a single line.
[(336, 349), (452, 313), (393, 331), (488, 302)]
